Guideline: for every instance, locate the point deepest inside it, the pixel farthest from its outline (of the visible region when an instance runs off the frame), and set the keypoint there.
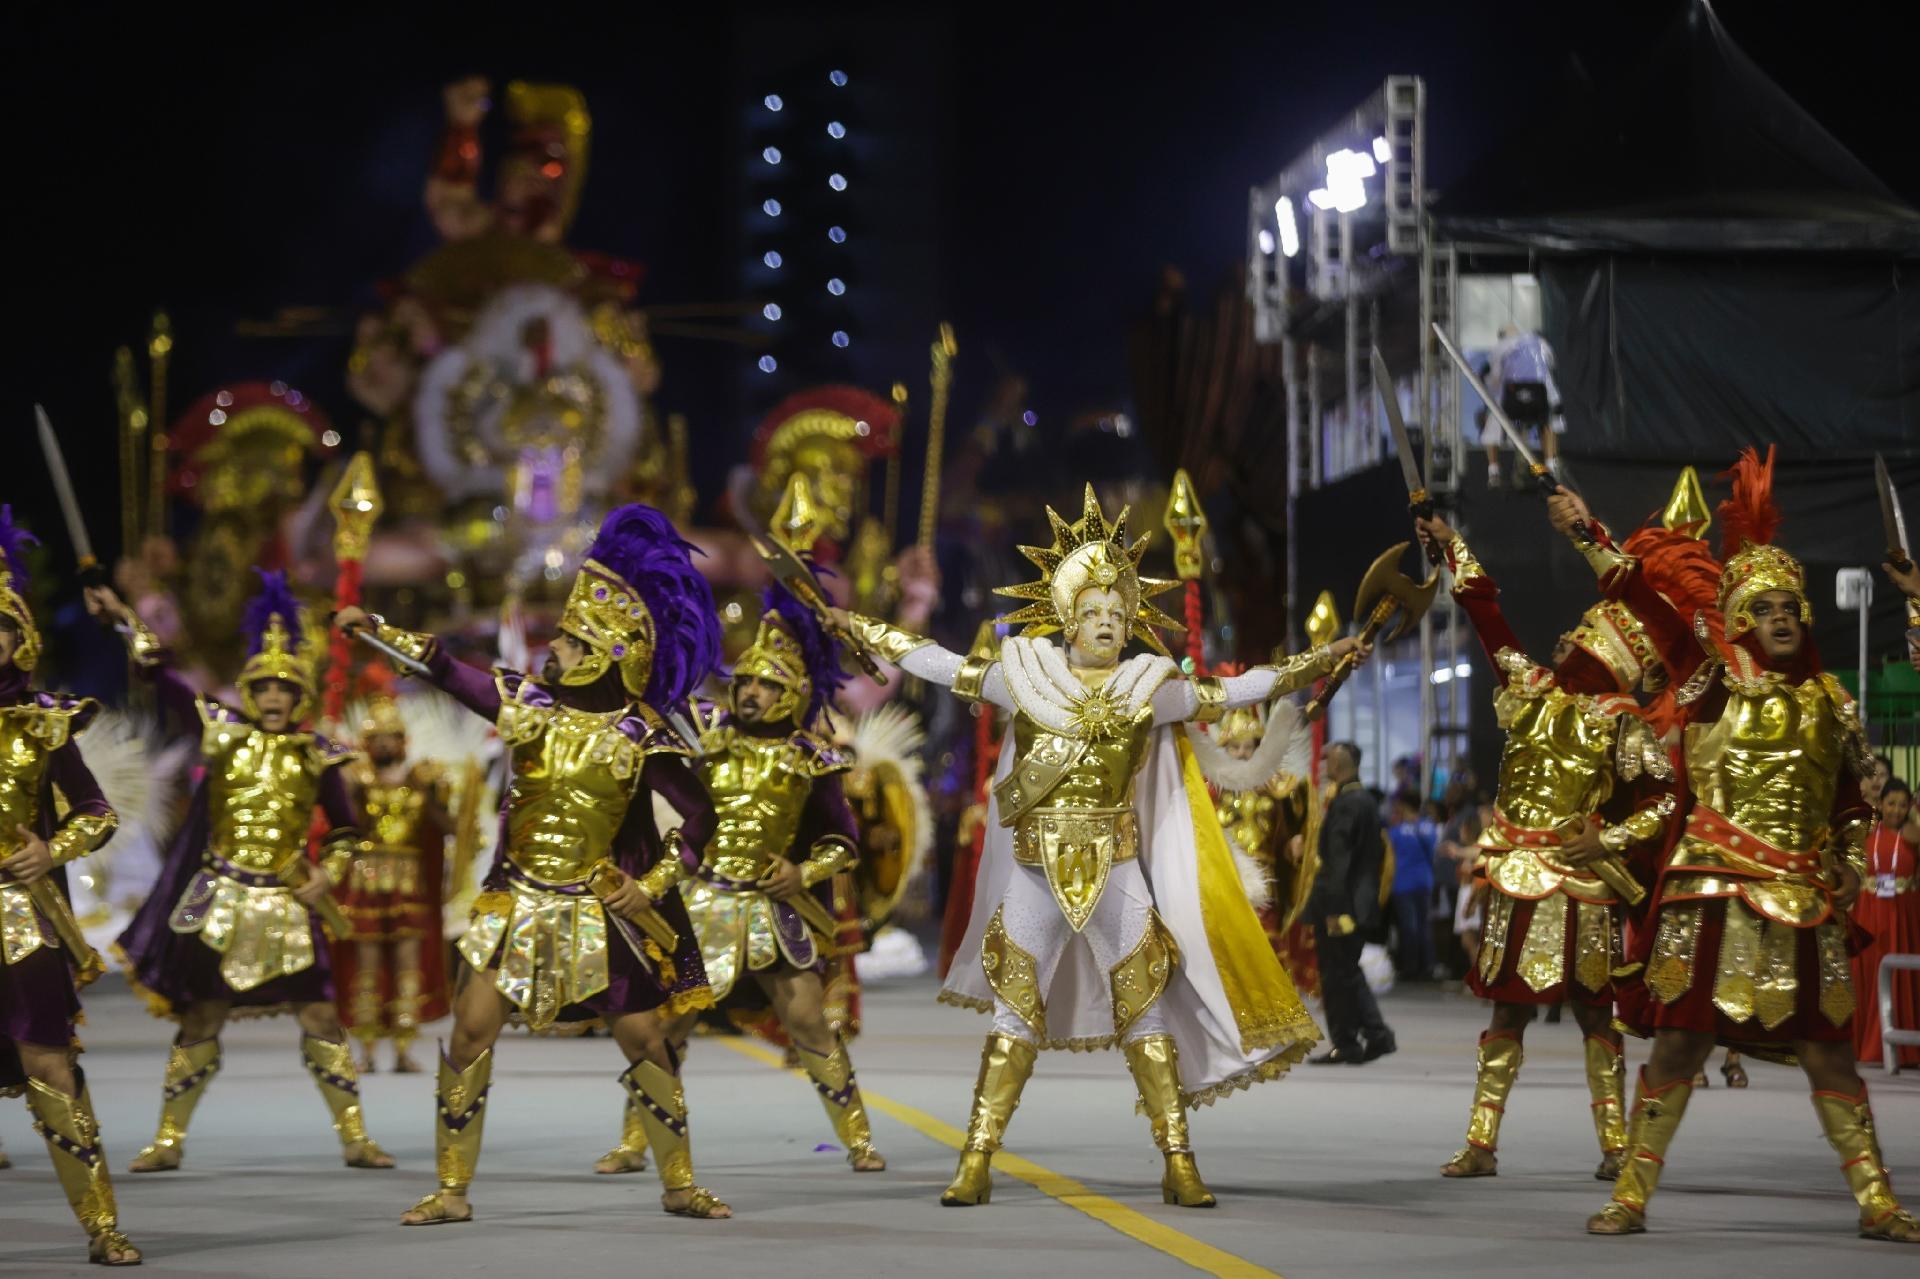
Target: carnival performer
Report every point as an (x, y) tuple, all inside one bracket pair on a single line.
[(1749, 934), (1582, 785), (393, 973), (231, 928), (1175, 968), (578, 917), (762, 901), (44, 959), (1889, 910)]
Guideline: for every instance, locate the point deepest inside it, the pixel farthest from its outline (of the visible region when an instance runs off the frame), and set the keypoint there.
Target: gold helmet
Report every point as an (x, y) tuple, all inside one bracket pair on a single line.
[(382, 716), (276, 641), (608, 616), (13, 589), (1089, 552), (1612, 635), (776, 655), (1754, 566)]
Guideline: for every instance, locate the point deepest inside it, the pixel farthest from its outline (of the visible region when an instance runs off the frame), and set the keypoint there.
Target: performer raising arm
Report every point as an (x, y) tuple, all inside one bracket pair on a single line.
[(581, 863), (1194, 996)]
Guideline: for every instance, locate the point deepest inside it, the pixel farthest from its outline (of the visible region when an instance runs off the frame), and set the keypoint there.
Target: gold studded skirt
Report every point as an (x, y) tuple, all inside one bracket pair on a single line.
[(1547, 951)]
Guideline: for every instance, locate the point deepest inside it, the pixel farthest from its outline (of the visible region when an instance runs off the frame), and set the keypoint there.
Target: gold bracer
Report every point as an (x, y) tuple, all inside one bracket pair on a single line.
[(1296, 672), (79, 835), (143, 646), (330, 1062), (72, 1135), (831, 854), (883, 638), (1461, 558), (461, 1118), (833, 1079), (414, 644), (190, 1068)]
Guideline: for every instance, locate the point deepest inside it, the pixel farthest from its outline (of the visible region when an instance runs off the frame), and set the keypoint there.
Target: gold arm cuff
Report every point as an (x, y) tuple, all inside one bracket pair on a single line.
[(82, 833), (829, 856), (414, 644), (887, 640), (1602, 559), (1643, 823), (1465, 566), (143, 645), (970, 682), (1212, 696), (668, 873), (1296, 672)]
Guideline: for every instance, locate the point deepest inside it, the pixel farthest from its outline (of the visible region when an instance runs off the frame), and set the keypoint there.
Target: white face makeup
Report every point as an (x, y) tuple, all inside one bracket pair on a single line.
[(1099, 629)]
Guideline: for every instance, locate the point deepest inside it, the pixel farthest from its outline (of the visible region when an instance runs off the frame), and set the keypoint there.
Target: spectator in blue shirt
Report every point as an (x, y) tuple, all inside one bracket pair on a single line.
[(1414, 842)]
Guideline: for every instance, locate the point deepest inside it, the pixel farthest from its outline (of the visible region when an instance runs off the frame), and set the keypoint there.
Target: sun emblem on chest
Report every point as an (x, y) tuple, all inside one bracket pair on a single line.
[(1099, 714)]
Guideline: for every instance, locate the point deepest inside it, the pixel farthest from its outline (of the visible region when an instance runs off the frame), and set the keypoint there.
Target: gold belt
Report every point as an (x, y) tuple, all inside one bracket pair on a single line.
[(1075, 826)]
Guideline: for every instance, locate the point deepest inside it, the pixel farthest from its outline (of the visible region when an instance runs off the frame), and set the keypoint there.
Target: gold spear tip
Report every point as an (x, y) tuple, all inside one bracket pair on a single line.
[(160, 339), (1186, 524), (356, 504), (899, 394), (1323, 623), (797, 520), (1687, 510), (947, 345), (986, 641)]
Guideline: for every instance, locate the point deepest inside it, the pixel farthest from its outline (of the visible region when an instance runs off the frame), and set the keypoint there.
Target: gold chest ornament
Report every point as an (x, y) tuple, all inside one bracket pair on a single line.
[(393, 813), (574, 774), (1771, 763), (261, 790), (28, 737), (759, 787)]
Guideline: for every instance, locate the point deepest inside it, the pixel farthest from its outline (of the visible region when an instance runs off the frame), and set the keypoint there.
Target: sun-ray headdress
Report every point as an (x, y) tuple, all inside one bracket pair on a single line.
[(1089, 552)]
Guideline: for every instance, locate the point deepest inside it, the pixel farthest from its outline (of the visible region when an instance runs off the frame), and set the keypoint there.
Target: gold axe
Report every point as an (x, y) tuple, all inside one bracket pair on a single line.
[(1385, 595), (800, 583)]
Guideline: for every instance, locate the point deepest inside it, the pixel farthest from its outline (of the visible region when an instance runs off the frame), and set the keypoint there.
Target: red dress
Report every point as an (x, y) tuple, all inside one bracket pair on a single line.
[(1889, 908)]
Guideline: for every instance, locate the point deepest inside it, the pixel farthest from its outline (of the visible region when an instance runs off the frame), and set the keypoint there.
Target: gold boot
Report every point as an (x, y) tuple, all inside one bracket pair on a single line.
[(460, 1119), (631, 1154), (1155, 1063), (1005, 1064), (73, 1140), (403, 1016), (1607, 1084), (833, 1079), (190, 1068), (331, 1065), (663, 1113), (1848, 1123), (1656, 1117), (1499, 1065)]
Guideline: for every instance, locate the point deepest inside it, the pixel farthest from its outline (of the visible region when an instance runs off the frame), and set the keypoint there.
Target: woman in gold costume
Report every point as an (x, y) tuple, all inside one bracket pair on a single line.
[(1175, 968), (43, 957), (1748, 939), (231, 928), (578, 917)]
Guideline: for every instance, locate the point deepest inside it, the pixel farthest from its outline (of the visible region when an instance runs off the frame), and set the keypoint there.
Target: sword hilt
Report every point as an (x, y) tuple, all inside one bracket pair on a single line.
[(1420, 503), (1549, 486), (1897, 556), (91, 572)]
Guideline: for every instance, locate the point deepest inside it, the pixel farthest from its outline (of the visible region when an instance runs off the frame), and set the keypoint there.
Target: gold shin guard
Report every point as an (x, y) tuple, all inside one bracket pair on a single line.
[(1155, 1063), (1848, 1123), (363, 1007), (1656, 1117), (1499, 1060), (403, 1010), (331, 1065), (839, 1091), (1005, 1065), (460, 1118), (1607, 1084), (73, 1140), (631, 1154), (190, 1068), (662, 1104)]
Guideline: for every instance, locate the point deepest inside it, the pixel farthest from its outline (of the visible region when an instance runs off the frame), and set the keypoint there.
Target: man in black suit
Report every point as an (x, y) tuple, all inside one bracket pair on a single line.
[(1345, 909)]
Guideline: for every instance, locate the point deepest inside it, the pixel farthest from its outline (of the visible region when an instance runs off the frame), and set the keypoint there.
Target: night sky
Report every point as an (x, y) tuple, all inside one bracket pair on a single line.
[(228, 170)]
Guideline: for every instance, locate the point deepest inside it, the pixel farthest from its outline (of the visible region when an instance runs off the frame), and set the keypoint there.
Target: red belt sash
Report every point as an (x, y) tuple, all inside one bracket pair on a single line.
[(1711, 828)]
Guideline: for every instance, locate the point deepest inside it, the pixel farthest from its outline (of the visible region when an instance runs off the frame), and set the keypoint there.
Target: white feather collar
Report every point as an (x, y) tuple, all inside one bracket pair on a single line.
[(1047, 691)]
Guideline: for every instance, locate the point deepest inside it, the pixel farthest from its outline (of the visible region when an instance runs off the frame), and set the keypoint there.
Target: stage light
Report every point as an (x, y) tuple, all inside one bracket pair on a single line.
[(1463, 670), (768, 364), (836, 130), (773, 102), (837, 181), (1320, 198), (330, 438), (1289, 227), (1382, 150), (772, 258), (838, 234), (1347, 172), (840, 337), (1265, 240), (838, 79), (771, 155), (770, 207), (1442, 676), (771, 310), (836, 286)]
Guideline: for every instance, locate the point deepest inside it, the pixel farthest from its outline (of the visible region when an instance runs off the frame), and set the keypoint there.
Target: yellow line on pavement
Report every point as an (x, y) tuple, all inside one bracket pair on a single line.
[(1136, 1225)]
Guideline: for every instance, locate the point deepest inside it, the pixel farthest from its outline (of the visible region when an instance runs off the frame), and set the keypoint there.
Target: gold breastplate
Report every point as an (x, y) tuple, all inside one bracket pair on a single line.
[(1771, 763), (759, 787), (393, 813), (1558, 759), (261, 789), (1083, 824), (24, 751), (574, 773)]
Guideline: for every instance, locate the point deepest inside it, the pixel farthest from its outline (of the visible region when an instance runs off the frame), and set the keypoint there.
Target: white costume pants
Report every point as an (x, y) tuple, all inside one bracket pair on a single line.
[(1035, 924)]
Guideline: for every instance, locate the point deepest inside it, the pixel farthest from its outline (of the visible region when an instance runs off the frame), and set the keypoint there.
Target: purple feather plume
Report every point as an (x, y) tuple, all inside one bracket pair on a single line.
[(14, 542), (816, 646), (274, 596), (642, 546)]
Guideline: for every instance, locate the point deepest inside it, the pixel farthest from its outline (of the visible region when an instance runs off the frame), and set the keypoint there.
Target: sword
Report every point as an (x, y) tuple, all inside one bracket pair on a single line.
[(1542, 478), (91, 574), (1419, 501), (1891, 517), (295, 872), (803, 586), (407, 665), (45, 895)]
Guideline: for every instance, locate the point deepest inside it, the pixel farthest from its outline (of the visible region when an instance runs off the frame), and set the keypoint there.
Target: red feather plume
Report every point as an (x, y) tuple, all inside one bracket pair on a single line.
[(1749, 516)]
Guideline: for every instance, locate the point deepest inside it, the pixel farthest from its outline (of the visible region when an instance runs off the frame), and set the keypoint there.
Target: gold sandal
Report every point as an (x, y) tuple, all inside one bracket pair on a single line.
[(1471, 1161), (1617, 1219), (437, 1213), (101, 1247), (366, 1154), (1898, 1226), (702, 1203), (620, 1160)]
